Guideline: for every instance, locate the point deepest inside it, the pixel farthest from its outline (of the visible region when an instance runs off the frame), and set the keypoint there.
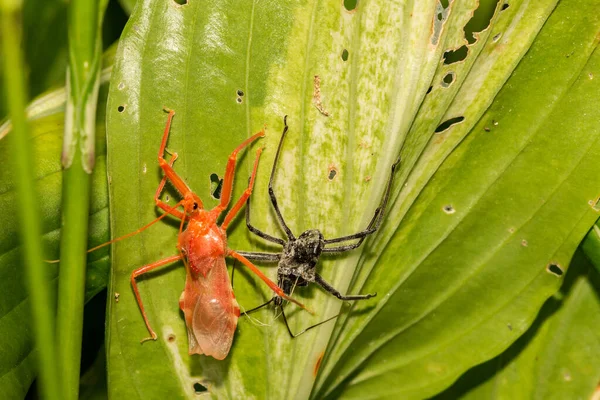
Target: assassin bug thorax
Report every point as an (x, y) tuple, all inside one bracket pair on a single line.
[(208, 303), (299, 257)]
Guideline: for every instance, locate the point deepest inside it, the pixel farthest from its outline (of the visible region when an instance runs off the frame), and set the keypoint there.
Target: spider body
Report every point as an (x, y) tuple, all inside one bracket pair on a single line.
[(298, 263)]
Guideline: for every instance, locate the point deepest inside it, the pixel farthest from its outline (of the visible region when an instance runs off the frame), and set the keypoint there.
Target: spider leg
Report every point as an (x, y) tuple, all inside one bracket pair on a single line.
[(258, 232), (360, 235), (287, 230), (259, 307), (295, 335), (373, 224), (258, 256), (319, 280)]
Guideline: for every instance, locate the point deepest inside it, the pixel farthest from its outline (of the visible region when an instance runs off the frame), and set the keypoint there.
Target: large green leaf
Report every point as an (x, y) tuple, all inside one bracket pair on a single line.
[(486, 213), (557, 358), (46, 116)]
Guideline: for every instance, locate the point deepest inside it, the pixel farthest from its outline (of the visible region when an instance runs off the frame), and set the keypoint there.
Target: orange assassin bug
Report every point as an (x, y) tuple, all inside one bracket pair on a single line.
[(208, 303)]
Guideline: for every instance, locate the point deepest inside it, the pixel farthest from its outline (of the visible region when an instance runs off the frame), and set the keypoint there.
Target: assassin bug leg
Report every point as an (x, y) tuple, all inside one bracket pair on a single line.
[(229, 171), (143, 270), (299, 257), (157, 200), (240, 203), (270, 283)]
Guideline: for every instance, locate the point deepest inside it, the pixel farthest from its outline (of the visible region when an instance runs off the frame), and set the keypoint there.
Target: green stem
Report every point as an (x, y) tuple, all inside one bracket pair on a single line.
[(78, 159), (38, 281)]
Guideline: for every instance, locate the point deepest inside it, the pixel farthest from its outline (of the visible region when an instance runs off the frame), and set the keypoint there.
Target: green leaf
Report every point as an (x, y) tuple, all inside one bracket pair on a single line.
[(18, 364), (480, 210), (556, 358)]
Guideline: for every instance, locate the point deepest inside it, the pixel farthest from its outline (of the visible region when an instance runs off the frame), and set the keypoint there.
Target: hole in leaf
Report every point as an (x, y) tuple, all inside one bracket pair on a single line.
[(448, 209), (480, 20), (447, 124), (121, 109), (448, 79), (505, 6), (171, 338), (452, 56), (496, 37), (350, 5), (180, 2), (441, 15), (239, 99), (216, 184), (332, 173), (240, 93), (345, 55), (554, 269), (199, 388), (429, 90)]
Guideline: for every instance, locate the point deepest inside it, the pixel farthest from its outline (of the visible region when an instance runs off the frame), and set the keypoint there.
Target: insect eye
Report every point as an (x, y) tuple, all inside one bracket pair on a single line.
[(195, 206)]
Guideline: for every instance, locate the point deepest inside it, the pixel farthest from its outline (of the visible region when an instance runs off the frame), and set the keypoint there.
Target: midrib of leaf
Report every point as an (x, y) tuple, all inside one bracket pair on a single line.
[(301, 197)]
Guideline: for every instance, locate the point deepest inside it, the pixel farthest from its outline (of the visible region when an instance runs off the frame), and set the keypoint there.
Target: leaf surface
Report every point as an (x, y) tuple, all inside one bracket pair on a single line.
[(555, 358), (486, 212)]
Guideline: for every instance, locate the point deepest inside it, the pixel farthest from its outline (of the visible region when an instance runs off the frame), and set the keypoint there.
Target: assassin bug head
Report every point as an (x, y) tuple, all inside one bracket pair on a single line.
[(192, 203)]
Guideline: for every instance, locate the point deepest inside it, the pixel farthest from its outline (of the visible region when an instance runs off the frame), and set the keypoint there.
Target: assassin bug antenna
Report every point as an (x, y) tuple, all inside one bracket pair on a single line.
[(296, 264)]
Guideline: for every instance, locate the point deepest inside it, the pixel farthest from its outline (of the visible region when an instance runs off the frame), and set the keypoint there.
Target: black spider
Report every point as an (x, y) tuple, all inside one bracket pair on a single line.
[(298, 260)]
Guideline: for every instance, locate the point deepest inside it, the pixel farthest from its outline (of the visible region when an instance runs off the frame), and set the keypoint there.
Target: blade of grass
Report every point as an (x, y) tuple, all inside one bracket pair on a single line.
[(37, 279), (83, 78)]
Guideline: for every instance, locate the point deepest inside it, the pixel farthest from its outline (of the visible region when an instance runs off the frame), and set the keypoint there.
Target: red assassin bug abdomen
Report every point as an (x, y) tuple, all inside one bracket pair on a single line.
[(208, 303)]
